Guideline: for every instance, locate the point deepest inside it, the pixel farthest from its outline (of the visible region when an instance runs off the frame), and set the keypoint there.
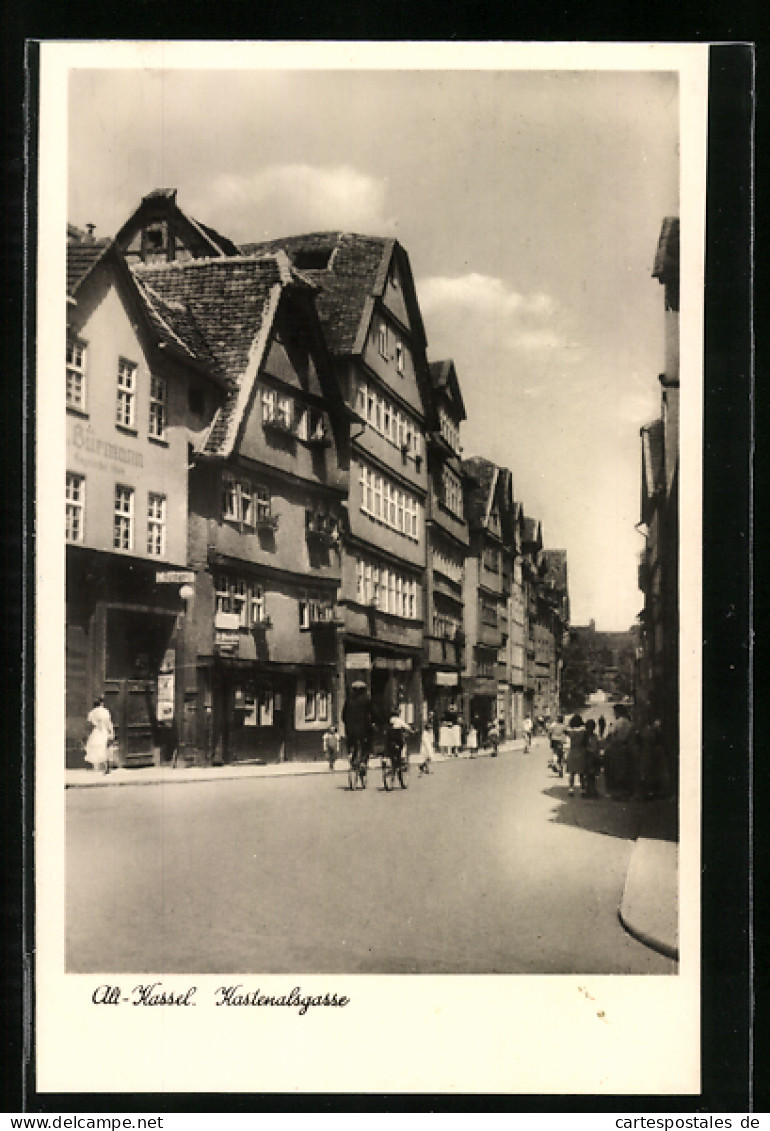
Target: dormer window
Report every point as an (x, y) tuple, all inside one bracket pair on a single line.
[(382, 340), (313, 259)]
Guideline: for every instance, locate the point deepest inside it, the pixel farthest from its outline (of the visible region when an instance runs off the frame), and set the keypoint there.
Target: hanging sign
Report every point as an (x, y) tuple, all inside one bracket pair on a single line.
[(174, 577), (358, 661)]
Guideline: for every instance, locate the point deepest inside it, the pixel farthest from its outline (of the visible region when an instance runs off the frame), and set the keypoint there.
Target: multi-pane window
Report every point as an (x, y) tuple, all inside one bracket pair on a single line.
[(317, 702), (158, 407), (446, 626), (126, 407), (488, 613), (448, 565), (453, 492), (386, 589), (156, 525), (388, 503), (123, 521), (76, 501), (315, 608), (244, 501), (241, 596), (450, 430), (382, 415), (290, 415), (76, 373), (492, 559)]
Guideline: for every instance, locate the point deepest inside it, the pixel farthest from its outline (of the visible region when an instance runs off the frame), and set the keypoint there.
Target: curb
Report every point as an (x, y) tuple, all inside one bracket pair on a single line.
[(189, 775), (649, 908)]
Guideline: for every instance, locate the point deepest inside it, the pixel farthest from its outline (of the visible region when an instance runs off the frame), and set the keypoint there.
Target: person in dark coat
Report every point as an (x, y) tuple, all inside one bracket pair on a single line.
[(358, 717)]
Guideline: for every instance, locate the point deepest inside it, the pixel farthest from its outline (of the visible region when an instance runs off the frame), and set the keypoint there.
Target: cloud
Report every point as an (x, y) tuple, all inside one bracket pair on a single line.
[(492, 311), (296, 198)]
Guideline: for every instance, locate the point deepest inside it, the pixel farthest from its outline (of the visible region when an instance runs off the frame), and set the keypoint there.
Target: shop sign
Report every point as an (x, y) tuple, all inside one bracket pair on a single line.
[(174, 577), (165, 696), (226, 642), (447, 679), (227, 621), (391, 665), (358, 661)]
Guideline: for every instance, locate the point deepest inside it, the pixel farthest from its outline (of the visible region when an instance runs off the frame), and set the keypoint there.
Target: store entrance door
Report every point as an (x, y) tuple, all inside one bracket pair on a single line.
[(135, 644)]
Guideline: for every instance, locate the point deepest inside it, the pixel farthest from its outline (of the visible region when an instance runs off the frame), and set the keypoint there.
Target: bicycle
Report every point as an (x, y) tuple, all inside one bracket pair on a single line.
[(359, 765), (395, 764)]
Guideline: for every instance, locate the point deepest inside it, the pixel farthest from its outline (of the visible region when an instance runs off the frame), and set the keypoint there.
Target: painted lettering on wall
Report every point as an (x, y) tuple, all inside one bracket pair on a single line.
[(84, 440)]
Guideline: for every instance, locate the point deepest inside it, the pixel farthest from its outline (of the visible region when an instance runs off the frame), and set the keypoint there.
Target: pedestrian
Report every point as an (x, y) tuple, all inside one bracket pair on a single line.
[(558, 742), (472, 740), (426, 749), (331, 746), (576, 760), (493, 737), (592, 760), (602, 726), (98, 750), (618, 756), (527, 734)]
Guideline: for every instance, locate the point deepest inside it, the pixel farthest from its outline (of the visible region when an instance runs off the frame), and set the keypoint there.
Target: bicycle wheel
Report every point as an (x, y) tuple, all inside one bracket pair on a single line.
[(403, 773)]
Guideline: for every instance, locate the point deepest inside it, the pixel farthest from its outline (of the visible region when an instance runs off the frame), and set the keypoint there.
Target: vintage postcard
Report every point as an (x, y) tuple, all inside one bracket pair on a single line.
[(368, 627)]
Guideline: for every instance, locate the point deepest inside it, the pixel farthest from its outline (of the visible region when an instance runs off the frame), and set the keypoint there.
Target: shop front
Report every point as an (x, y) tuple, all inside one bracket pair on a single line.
[(393, 681), (121, 643)]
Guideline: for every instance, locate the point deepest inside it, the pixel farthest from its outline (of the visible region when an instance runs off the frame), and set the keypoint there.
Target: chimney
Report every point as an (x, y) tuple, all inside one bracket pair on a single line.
[(90, 231)]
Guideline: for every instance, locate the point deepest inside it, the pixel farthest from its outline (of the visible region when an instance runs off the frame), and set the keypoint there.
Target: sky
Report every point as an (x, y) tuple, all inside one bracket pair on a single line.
[(529, 203)]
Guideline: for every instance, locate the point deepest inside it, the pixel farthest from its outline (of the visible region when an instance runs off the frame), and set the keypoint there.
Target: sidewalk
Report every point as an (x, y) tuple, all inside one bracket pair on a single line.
[(155, 775), (650, 906)]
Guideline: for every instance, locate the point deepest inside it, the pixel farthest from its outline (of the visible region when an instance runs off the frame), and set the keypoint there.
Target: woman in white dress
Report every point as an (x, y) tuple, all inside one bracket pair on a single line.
[(102, 734)]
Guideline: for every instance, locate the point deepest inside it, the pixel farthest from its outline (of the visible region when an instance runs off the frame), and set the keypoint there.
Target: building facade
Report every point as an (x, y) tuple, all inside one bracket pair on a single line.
[(447, 546), (658, 668), (126, 503), (268, 479)]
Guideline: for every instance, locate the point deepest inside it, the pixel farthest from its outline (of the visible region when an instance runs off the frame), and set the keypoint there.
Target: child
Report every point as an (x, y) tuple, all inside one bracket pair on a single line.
[(426, 749), (331, 744)]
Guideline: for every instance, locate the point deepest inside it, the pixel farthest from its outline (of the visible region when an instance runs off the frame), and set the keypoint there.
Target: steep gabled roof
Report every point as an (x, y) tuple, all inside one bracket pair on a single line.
[(532, 532), (480, 479), (350, 271), (160, 204), (444, 379), (229, 305), (82, 257), (555, 568)]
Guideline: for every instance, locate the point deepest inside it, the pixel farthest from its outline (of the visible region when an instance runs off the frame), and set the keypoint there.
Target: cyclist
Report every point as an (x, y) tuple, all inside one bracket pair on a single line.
[(357, 715)]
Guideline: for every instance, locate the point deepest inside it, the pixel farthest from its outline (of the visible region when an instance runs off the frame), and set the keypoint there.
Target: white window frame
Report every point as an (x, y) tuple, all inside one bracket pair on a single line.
[(400, 357), (76, 373), (158, 407), (157, 509), (126, 401), (123, 517), (75, 510), (382, 339)]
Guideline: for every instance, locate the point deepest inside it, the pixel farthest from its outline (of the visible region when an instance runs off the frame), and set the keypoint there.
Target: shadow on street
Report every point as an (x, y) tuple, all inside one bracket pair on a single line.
[(625, 819)]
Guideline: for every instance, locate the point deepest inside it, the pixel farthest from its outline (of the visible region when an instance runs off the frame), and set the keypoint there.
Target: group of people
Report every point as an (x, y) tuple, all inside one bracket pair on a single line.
[(631, 756), (447, 735)]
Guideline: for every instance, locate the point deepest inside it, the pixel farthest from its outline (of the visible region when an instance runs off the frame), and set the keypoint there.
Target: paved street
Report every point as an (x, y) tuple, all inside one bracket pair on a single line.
[(485, 867)]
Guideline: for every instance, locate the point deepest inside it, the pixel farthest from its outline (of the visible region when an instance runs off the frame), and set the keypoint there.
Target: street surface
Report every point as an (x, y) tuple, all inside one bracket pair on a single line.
[(486, 866)]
